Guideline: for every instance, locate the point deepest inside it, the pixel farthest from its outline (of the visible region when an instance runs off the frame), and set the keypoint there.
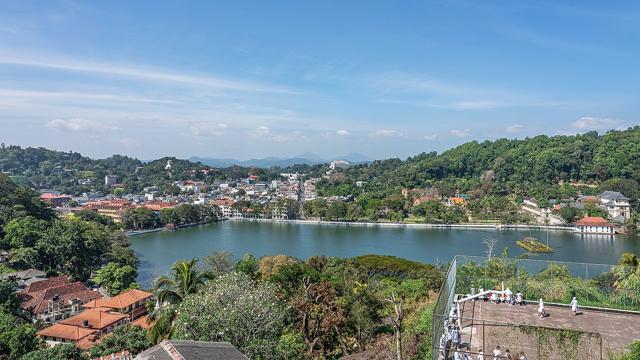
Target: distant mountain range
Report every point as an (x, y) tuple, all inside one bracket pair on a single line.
[(305, 159)]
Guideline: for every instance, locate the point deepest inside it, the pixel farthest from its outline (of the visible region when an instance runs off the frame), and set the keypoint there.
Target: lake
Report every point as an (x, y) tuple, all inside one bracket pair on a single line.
[(159, 250)]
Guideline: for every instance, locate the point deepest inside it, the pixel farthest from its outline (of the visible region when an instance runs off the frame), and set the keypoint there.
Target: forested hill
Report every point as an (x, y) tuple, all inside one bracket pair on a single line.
[(73, 173), (531, 166), (527, 166)]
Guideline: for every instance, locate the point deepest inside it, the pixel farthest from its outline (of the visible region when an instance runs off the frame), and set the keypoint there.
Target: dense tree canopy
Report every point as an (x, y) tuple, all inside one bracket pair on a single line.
[(235, 309)]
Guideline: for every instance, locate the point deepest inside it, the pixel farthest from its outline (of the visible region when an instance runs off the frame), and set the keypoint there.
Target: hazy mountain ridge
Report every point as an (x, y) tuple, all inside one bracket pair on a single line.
[(271, 161)]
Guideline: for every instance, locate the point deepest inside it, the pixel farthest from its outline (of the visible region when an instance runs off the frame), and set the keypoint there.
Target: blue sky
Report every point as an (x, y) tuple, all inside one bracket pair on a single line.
[(247, 79)]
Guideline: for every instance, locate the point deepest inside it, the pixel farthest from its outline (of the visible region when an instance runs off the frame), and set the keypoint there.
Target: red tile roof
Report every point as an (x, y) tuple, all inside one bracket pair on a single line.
[(49, 196), (98, 319), (37, 301), (67, 332), (108, 204), (45, 284), (142, 322), (121, 301), (157, 206), (593, 221)]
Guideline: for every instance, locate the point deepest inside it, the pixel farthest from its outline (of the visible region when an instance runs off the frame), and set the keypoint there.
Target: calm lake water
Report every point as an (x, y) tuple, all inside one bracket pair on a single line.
[(158, 251)]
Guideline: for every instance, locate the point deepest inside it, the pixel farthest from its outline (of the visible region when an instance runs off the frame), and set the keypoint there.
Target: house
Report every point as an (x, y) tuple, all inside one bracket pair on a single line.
[(4, 256), (25, 277), (112, 208), (131, 303), (100, 316), (616, 204), (339, 164), (530, 202), (110, 180), (360, 183), (456, 200), (594, 225), (157, 206), (83, 329), (191, 350), (55, 298), (55, 200)]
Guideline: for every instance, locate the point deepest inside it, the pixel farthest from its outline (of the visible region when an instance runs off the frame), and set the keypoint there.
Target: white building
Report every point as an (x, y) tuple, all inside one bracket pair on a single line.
[(594, 225), (339, 164), (110, 180), (617, 205)]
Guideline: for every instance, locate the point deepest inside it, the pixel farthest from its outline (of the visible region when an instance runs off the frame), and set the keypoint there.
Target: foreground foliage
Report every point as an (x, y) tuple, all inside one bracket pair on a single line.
[(233, 308)]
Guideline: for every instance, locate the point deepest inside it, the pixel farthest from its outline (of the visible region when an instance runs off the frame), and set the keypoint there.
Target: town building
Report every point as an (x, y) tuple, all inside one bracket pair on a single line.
[(55, 298), (4, 257), (310, 192), (616, 204), (99, 317), (110, 180), (158, 205), (56, 200), (131, 303), (594, 225), (112, 208), (83, 329), (339, 164), (25, 277), (457, 201)]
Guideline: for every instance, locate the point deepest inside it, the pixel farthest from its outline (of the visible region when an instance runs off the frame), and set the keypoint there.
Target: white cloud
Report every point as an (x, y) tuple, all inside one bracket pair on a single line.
[(386, 133), (265, 133), (424, 91), (262, 131), (143, 73), (208, 130), (596, 123), (515, 128), (80, 125), (478, 105), (431, 137), (343, 133), (67, 95), (460, 132), (8, 29)]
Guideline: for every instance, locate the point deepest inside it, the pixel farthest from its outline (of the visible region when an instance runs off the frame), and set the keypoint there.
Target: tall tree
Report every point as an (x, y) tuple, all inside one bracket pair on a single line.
[(170, 291)]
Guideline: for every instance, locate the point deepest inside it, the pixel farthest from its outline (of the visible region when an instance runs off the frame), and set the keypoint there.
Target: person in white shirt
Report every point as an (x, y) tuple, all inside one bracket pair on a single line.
[(509, 296), (455, 337), (541, 311), (494, 297), (574, 306), (467, 355), (457, 355), (519, 298), (521, 356), (480, 355), (497, 354), (483, 297), (443, 345)]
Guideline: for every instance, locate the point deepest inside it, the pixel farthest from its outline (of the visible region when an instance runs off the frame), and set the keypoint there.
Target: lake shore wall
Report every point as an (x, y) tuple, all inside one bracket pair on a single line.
[(416, 226)]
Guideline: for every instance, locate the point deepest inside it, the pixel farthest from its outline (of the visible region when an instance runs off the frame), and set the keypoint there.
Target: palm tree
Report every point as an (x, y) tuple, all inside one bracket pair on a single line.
[(170, 291)]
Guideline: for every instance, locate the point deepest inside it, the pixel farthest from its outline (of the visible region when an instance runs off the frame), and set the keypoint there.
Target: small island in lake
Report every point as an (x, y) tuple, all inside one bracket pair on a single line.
[(531, 244)]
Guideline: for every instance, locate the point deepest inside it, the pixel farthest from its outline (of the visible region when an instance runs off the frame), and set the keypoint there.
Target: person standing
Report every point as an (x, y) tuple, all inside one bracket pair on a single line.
[(574, 306), (519, 298), (443, 346), (480, 355), (541, 311), (497, 354)]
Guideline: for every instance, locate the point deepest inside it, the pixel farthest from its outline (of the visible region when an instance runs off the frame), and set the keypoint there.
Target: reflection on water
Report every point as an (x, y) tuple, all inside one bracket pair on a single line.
[(158, 251)]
